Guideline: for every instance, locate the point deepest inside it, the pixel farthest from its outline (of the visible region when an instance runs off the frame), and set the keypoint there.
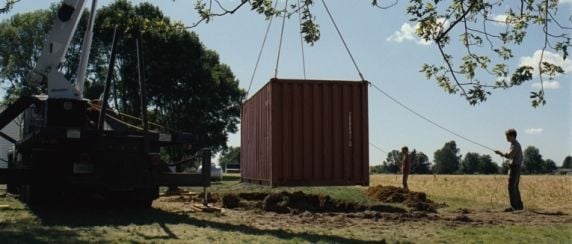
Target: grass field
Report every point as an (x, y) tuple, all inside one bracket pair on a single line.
[(474, 215), (547, 192)]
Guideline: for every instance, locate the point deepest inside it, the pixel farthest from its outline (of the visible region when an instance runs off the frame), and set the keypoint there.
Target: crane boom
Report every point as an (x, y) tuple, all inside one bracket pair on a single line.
[(47, 69)]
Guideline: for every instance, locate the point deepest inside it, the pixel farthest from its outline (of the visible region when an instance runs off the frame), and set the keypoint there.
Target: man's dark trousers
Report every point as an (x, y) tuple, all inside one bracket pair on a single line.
[(513, 191)]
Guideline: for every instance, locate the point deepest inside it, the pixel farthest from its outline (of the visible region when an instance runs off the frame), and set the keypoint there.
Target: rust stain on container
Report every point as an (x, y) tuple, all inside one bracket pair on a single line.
[(306, 132)]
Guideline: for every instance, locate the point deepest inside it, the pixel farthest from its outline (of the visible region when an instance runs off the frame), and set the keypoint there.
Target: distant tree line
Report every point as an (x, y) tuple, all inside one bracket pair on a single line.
[(448, 160)]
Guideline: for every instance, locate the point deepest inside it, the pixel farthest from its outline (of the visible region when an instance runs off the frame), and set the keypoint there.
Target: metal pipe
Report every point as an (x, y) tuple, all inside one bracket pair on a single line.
[(206, 172), (86, 48), (108, 80), (142, 92)]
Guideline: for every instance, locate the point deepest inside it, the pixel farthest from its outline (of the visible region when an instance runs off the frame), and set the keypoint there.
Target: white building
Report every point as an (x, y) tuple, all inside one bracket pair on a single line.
[(12, 130)]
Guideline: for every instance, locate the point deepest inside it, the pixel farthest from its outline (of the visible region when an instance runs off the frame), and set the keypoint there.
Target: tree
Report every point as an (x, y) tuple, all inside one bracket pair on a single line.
[(376, 169), (567, 163), (231, 155), (470, 163), (533, 162), (446, 159), (504, 167), (22, 38), (392, 163), (549, 166), (193, 93), (8, 5), (476, 163), (481, 69), (419, 163), (487, 166)]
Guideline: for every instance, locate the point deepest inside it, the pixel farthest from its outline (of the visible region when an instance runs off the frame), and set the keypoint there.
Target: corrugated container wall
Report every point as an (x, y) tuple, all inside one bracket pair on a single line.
[(306, 132)]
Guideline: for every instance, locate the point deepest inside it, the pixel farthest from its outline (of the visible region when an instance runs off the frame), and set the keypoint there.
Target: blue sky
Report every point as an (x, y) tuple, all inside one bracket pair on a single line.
[(389, 55)]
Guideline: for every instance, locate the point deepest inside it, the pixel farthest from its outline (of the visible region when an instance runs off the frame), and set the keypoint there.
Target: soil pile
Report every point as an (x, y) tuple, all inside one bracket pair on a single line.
[(299, 202), (211, 197), (391, 194)]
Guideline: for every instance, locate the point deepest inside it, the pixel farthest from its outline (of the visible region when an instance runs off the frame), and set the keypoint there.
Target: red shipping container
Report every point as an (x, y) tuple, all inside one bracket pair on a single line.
[(306, 133)]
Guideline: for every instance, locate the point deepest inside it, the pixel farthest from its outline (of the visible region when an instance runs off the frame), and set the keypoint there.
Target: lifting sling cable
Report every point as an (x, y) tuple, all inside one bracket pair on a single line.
[(260, 53), (343, 40), (301, 39), (427, 119), (281, 37), (393, 99)]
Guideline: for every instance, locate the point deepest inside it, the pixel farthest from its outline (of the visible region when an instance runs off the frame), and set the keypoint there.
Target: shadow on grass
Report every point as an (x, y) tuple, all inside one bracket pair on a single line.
[(61, 224)]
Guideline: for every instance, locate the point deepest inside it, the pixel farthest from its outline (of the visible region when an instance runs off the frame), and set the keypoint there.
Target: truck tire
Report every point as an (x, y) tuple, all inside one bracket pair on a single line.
[(144, 197), (34, 194), (11, 188), (138, 198)]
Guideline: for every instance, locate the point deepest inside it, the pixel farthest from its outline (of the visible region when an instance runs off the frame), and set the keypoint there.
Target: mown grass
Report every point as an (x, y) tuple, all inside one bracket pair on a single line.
[(558, 233), (21, 224), (231, 184)]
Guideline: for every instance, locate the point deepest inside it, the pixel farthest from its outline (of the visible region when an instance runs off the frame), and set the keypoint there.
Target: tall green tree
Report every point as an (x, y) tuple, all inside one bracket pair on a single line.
[(471, 163), (567, 162), (475, 163), (188, 88), (459, 23), (487, 166), (230, 155), (446, 160), (377, 169), (468, 24), (7, 6), (419, 163), (22, 38), (549, 166), (504, 167), (392, 162), (533, 162)]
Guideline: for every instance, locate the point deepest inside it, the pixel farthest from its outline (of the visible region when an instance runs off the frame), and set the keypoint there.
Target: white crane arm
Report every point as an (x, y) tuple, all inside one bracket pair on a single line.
[(54, 50)]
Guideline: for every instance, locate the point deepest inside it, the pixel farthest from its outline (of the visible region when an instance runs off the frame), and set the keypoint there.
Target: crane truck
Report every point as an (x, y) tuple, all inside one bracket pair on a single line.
[(70, 144)]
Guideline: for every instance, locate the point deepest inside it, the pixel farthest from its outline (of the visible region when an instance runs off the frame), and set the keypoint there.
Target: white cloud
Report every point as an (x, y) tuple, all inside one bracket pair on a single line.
[(565, 1), (407, 33), (534, 131), (547, 85), (553, 58), (501, 20)]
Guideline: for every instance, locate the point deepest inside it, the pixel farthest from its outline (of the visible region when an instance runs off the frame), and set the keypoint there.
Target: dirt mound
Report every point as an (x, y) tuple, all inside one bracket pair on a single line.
[(253, 196), (211, 197), (299, 202), (391, 194), (230, 201)]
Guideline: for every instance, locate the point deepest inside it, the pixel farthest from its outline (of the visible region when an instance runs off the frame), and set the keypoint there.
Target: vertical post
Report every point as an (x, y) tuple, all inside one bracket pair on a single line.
[(206, 172), (142, 93), (108, 80)]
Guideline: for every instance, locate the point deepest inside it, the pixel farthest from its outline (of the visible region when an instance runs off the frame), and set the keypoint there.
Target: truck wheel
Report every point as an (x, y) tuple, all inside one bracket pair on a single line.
[(144, 197), (35, 194), (11, 188)]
